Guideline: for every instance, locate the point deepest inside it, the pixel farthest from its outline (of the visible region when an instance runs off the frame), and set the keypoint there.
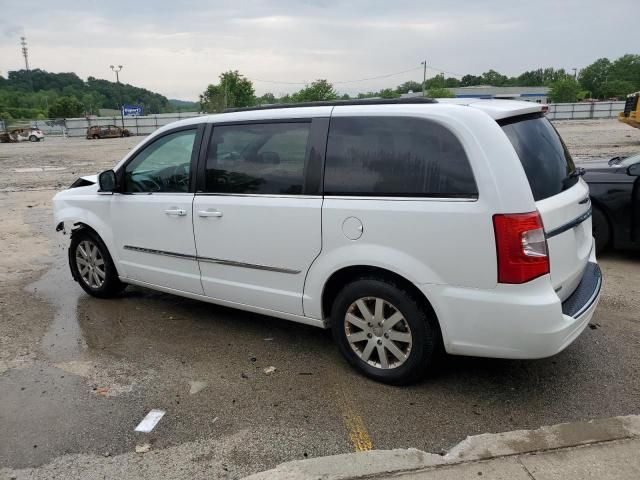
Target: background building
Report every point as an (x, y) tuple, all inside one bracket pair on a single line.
[(531, 94)]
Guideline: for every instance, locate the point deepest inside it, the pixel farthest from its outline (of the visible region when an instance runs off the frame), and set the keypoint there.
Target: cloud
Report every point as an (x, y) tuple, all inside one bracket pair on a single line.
[(177, 48)]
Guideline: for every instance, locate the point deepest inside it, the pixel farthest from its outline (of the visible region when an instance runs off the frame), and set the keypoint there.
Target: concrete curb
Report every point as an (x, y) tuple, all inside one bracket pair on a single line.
[(478, 447)]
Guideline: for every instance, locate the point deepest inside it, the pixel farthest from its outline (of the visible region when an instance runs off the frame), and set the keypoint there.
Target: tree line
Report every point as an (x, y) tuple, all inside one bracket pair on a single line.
[(38, 94), (603, 79)]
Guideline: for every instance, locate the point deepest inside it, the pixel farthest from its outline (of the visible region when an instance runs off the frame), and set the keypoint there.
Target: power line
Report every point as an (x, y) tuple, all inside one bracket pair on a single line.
[(341, 82)]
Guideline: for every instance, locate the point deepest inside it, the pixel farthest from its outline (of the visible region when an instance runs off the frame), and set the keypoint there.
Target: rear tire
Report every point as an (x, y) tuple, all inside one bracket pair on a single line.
[(92, 266), (601, 230), (383, 331)]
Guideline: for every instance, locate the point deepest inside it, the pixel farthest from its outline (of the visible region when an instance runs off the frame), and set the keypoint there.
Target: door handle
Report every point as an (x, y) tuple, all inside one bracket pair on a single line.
[(209, 213), (176, 211)]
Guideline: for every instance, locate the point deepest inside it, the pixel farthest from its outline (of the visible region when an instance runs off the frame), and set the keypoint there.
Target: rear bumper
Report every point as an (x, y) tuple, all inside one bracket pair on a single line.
[(515, 321)]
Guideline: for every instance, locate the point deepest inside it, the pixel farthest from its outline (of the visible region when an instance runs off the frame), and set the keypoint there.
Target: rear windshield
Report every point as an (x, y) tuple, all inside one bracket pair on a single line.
[(543, 154)]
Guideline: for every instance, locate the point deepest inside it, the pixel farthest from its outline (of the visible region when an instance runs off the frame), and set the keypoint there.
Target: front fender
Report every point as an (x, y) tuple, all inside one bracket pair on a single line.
[(86, 208)]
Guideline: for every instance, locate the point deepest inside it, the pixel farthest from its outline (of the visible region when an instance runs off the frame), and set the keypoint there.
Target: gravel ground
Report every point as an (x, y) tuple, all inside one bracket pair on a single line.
[(77, 374)]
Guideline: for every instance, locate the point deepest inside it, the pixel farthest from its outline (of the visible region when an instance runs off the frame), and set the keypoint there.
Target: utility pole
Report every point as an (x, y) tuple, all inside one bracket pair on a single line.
[(117, 70), (25, 54), (575, 73), (424, 78)]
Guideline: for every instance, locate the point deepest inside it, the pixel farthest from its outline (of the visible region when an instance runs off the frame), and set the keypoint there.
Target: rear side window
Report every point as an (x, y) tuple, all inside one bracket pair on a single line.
[(543, 154), (266, 158), (395, 156)]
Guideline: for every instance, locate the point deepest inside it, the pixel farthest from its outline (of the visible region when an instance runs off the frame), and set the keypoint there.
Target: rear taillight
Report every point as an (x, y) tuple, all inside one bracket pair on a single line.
[(521, 246)]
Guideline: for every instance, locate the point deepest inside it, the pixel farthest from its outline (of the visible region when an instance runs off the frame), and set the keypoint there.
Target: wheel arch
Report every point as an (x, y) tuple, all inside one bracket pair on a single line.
[(344, 275)]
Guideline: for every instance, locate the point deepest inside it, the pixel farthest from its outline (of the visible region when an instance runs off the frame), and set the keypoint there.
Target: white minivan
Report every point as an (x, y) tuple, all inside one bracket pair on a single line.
[(406, 226)]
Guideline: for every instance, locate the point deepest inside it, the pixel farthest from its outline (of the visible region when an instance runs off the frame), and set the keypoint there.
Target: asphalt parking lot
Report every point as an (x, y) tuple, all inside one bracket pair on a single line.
[(77, 374)]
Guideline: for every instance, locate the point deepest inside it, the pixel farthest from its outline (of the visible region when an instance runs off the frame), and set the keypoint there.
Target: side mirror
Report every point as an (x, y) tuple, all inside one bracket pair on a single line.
[(107, 181), (634, 170)]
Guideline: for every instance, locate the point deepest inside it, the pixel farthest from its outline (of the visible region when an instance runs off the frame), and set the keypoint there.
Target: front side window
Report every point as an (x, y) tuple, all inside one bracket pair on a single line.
[(266, 158), (395, 156), (162, 166)]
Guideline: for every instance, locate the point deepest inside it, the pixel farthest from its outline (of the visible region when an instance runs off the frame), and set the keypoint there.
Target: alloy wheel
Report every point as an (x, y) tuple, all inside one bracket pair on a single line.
[(90, 264), (378, 333)]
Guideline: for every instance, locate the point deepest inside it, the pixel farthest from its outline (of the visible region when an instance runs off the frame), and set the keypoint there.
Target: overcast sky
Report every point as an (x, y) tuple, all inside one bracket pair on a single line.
[(178, 47)]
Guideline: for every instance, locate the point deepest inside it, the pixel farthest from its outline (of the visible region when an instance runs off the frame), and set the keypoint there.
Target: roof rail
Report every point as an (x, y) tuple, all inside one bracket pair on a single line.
[(337, 103)]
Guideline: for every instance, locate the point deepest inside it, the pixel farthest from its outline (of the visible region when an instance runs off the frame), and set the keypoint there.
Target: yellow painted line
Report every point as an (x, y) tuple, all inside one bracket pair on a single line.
[(358, 433), (356, 429)]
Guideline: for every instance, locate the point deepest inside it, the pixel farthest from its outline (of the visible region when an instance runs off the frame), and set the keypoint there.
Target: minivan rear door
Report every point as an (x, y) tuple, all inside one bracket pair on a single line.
[(561, 197)]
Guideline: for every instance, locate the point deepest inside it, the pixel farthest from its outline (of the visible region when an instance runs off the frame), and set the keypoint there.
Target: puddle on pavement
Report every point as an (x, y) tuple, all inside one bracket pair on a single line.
[(63, 340)]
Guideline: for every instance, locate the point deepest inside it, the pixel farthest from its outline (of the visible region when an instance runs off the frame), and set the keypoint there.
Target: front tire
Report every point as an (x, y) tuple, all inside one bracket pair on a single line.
[(384, 331), (33, 138), (92, 266)]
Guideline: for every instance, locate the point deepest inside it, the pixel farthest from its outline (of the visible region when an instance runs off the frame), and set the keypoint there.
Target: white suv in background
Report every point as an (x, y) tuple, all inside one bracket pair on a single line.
[(403, 225)]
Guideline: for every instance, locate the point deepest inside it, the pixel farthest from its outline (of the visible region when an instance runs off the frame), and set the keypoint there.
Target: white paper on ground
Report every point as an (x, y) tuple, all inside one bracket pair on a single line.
[(149, 422)]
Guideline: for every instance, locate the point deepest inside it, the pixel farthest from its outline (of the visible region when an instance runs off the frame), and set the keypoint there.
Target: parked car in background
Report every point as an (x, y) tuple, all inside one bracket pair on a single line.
[(21, 135), (615, 195), (106, 131), (406, 226)]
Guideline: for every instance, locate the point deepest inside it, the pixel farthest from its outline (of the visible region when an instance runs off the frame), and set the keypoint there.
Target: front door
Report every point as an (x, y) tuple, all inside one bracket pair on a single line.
[(258, 221), (152, 217)]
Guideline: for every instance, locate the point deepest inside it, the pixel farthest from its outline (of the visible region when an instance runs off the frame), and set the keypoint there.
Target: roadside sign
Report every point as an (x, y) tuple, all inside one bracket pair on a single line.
[(132, 110)]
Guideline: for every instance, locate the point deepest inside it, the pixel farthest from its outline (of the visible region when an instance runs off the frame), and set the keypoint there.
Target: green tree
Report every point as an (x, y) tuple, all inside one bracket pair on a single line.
[(388, 93), (66, 107), (470, 81), (439, 92), (627, 69), (595, 76), (318, 91), (409, 86), (238, 90), (212, 100), (435, 82), (564, 90), (451, 82), (267, 98), (617, 88), (233, 91), (494, 78)]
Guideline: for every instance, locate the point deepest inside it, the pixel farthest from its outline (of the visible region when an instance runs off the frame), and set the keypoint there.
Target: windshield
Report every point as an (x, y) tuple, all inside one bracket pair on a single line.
[(543, 154)]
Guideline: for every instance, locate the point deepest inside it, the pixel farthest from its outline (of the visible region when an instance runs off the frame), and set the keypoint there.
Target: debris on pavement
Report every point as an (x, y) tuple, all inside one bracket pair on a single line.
[(144, 448), (269, 370), (102, 391), (197, 386), (149, 422)]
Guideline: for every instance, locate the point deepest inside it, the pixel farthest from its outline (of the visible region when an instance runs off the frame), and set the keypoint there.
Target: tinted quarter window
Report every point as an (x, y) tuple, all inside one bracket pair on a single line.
[(266, 158), (395, 156), (543, 154), (162, 166)]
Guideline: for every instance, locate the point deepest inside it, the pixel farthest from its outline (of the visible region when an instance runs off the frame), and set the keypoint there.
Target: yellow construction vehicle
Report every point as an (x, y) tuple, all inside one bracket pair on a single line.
[(631, 113)]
